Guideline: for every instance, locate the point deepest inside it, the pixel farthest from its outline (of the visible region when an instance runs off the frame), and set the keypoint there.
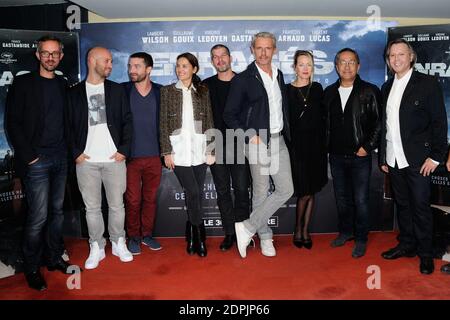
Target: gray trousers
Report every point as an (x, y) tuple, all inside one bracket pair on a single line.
[(90, 177), (265, 162)]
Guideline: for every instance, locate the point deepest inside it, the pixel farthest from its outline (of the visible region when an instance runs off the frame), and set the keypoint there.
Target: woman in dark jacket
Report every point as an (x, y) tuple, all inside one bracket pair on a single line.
[(185, 116)]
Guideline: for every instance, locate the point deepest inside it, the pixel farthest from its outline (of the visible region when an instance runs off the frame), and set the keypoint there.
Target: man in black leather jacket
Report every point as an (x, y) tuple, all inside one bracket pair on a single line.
[(353, 129)]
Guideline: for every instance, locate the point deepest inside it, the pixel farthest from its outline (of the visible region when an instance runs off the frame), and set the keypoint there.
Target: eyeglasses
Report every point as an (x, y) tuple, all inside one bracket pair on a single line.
[(350, 63), (46, 54)]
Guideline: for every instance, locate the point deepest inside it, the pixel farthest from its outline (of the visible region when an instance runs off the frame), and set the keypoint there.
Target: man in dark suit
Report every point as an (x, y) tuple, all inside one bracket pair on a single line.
[(36, 123), (446, 267), (413, 143), (99, 148)]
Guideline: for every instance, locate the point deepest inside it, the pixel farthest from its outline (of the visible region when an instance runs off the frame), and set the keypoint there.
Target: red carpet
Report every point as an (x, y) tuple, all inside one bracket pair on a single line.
[(321, 273)]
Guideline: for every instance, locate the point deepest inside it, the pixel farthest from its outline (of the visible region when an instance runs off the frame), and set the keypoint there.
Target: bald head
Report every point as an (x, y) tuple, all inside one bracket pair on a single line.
[(99, 62)]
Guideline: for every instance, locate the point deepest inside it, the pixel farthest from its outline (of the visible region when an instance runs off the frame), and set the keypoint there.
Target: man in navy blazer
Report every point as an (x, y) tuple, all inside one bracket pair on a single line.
[(144, 164), (413, 143), (257, 104), (99, 148)]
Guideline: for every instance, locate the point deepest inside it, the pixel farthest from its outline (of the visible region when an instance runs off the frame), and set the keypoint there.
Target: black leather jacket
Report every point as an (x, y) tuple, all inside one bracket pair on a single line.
[(365, 101)]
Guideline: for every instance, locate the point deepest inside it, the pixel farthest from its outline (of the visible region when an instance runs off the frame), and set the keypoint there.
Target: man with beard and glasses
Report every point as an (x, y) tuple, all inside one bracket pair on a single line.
[(99, 148), (36, 123), (144, 165), (225, 170)]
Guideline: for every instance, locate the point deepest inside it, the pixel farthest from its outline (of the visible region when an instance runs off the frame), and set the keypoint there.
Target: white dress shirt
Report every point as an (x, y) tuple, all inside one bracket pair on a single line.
[(189, 147), (275, 99), (394, 146)]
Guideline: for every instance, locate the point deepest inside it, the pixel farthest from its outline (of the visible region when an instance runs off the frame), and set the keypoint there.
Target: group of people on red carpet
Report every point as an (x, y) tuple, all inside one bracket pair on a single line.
[(252, 130)]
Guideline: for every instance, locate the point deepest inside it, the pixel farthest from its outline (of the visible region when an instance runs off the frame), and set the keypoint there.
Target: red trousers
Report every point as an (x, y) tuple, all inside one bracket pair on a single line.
[(143, 177)]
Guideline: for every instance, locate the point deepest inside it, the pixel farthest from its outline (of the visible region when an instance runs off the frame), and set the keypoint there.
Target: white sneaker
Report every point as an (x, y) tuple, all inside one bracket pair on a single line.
[(120, 250), (65, 256), (243, 238), (267, 248), (95, 256)]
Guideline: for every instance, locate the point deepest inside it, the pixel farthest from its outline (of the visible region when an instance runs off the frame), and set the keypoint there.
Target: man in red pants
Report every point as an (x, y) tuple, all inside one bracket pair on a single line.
[(144, 166)]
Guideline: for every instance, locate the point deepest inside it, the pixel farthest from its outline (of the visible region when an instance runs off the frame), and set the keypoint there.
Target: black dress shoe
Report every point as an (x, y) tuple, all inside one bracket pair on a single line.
[(61, 265), (298, 242), (36, 281), (426, 265), (228, 242), (446, 268), (307, 243), (398, 252)]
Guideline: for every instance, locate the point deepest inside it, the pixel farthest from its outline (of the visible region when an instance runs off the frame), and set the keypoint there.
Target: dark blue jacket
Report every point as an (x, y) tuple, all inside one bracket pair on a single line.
[(157, 88), (248, 105), (118, 115)]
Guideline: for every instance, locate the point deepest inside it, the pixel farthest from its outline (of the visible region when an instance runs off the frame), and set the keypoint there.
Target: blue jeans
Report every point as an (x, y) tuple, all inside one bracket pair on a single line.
[(45, 183), (351, 180)]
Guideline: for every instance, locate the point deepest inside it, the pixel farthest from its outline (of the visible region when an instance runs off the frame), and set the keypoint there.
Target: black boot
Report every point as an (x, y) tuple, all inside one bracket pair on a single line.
[(190, 248), (228, 242), (200, 240)]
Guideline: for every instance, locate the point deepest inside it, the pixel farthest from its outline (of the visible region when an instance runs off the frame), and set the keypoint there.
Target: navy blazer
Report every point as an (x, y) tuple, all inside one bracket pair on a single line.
[(25, 117), (156, 87), (423, 120), (247, 104), (118, 117)]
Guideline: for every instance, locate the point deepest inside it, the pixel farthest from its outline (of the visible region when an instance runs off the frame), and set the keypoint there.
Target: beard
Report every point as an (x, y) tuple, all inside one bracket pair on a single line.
[(49, 66), (137, 77), (223, 68)]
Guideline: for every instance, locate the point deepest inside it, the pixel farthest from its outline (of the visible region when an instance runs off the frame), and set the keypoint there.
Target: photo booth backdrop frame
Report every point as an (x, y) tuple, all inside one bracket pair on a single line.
[(165, 40)]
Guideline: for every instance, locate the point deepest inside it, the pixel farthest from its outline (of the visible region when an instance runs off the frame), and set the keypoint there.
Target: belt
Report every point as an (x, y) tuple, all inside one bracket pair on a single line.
[(276, 135)]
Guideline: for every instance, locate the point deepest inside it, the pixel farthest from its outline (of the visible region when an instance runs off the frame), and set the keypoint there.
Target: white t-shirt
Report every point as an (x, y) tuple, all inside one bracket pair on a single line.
[(344, 93), (99, 145)]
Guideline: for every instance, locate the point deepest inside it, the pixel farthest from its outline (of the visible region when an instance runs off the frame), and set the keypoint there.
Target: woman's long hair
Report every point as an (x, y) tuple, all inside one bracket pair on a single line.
[(196, 81)]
